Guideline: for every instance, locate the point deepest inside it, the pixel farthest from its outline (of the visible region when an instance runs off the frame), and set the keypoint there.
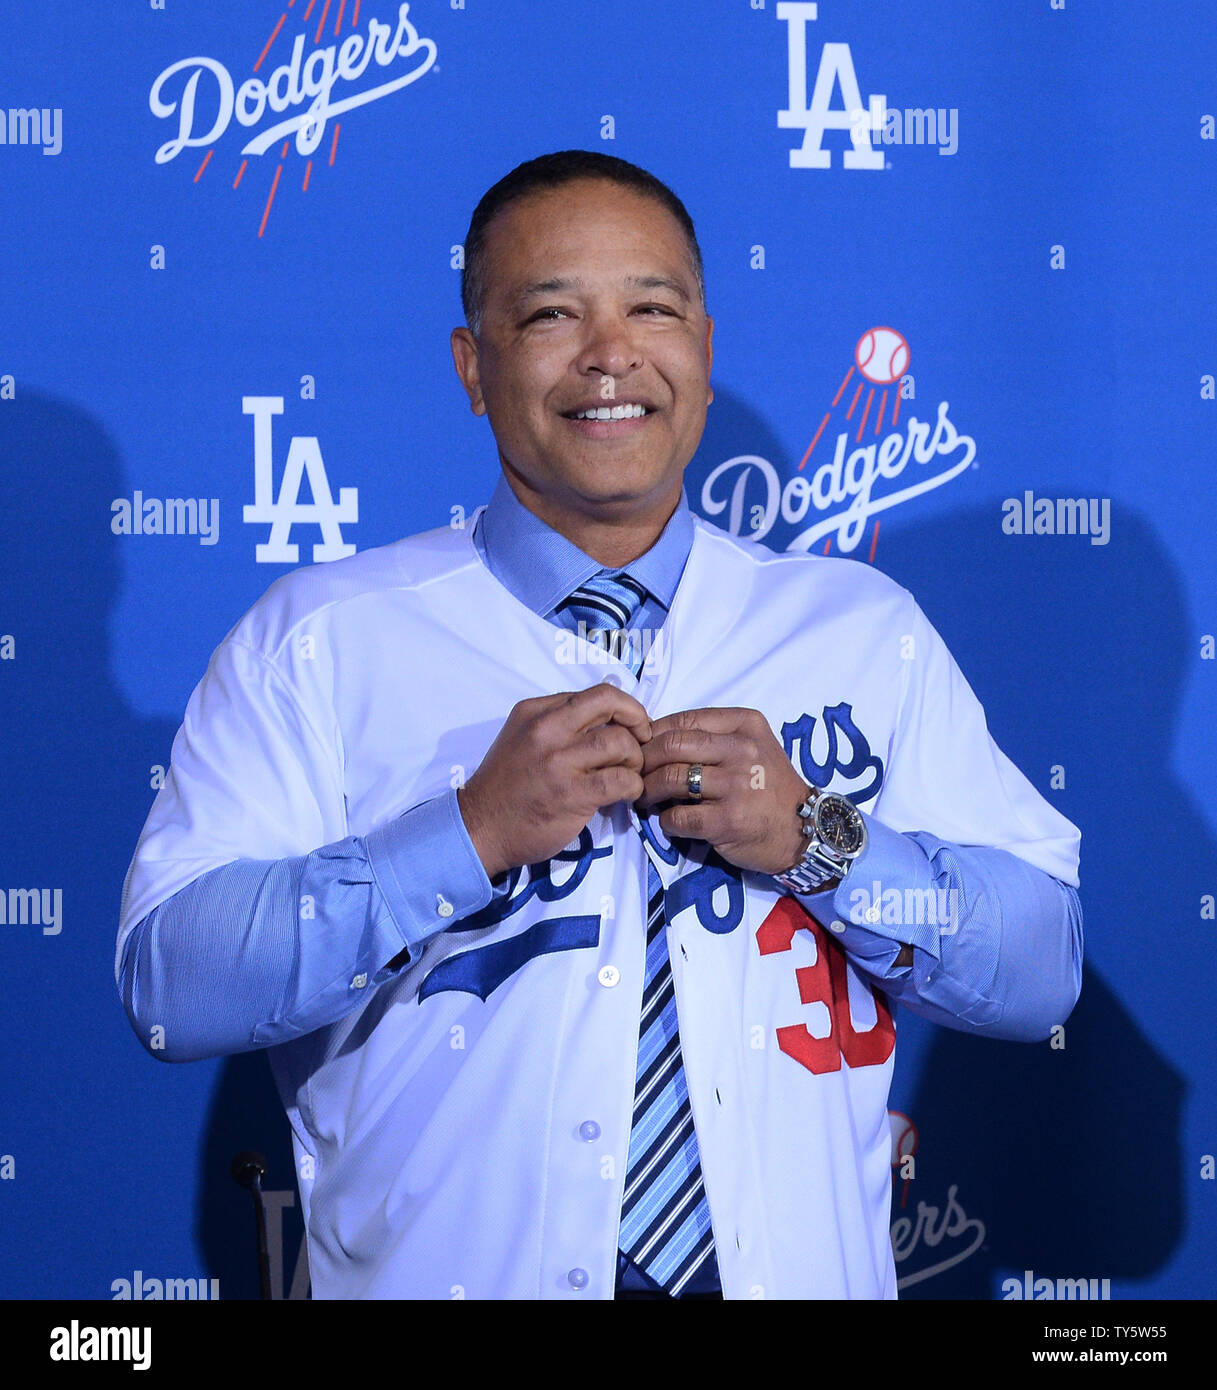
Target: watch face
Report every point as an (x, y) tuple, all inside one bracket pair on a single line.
[(839, 825)]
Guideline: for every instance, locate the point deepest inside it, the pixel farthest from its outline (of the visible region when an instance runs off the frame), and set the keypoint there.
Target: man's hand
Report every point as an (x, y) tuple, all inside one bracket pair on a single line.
[(750, 791), (557, 760)]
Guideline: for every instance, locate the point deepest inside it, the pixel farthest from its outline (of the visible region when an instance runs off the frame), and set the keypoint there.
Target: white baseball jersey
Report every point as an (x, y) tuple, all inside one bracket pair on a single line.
[(442, 1127)]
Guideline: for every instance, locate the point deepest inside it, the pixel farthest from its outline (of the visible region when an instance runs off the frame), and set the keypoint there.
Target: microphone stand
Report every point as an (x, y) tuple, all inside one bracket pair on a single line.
[(248, 1169)]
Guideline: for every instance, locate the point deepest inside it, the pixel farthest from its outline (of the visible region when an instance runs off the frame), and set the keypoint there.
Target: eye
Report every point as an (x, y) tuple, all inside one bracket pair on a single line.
[(540, 315), (656, 308)]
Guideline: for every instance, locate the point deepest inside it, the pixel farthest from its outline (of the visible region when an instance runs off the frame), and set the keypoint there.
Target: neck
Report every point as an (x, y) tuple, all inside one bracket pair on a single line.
[(614, 535)]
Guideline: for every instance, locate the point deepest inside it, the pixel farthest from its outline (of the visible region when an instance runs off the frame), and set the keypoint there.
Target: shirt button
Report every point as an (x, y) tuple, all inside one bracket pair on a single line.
[(872, 914), (589, 1130), (837, 926), (359, 982), (577, 1278), (443, 906), (608, 976)]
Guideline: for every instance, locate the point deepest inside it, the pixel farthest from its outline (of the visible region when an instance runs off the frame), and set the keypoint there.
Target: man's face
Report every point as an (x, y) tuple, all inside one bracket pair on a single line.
[(591, 303)]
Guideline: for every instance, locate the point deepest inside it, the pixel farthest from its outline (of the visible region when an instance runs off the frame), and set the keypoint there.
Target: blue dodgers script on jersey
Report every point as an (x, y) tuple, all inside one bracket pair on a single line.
[(838, 719), (482, 969), (696, 889)]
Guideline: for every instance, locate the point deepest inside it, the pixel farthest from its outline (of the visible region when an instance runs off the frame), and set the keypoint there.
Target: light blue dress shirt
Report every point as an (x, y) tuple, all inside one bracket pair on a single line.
[(235, 927)]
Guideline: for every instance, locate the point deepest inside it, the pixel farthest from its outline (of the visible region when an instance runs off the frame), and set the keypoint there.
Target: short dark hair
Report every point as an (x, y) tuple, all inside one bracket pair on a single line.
[(552, 171)]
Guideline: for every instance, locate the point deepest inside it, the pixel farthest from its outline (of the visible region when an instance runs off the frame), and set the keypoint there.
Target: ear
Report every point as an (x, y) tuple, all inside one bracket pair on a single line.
[(709, 357), (465, 358)]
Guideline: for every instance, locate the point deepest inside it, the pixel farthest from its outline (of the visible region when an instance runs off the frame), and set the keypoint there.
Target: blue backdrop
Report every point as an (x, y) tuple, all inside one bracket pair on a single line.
[(1031, 210)]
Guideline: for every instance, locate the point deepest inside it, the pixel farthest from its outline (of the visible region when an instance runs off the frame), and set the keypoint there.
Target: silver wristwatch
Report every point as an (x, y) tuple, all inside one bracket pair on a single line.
[(836, 836)]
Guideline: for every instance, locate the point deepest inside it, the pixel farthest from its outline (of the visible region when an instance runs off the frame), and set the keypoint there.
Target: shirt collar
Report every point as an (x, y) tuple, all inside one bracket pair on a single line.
[(541, 567)]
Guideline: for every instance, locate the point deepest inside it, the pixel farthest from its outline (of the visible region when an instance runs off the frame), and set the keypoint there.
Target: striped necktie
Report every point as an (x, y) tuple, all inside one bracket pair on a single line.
[(601, 611), (665, 1219)]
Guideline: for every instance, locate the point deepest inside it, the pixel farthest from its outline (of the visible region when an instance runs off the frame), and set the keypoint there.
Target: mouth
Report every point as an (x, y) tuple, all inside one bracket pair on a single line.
[(610, 421)]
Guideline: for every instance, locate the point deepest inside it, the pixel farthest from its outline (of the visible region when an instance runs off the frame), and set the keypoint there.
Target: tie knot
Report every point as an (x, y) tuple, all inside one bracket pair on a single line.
[(602, 607), (609, 600)]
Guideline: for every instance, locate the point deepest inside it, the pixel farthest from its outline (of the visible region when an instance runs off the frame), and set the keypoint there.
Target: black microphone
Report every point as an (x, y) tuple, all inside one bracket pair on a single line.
[(248, 1169)]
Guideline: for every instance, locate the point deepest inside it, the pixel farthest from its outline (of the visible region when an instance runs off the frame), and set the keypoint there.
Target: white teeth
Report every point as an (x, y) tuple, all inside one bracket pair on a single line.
[(616, 412)]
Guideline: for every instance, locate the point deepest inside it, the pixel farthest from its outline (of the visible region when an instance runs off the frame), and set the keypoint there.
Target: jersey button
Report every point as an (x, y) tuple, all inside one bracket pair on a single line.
[(443, 906), (589, 1130), (608, 976), (577, 1278)]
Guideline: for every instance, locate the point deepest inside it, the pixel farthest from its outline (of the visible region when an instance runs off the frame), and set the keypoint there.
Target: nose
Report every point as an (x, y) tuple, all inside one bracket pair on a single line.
[(609, 348)]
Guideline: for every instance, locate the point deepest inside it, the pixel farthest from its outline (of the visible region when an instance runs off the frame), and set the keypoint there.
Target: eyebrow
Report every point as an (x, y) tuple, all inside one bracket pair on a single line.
[(560, 284)]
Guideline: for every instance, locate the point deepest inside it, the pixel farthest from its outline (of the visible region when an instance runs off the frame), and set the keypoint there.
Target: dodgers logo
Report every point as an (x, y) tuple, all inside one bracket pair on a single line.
[(285, 511), (873, 447), (714, 890), (868, 122), (934, 1238), (847, 751), (483, 969), (307, 92), (817, 116)]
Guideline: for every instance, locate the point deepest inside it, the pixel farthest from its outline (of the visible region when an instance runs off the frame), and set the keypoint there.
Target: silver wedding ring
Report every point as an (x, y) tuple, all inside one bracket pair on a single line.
[(693, 781)]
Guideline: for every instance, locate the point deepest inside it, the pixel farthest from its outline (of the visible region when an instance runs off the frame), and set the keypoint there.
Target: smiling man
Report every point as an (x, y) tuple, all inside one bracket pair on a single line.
[(619, 330), (577, 955)]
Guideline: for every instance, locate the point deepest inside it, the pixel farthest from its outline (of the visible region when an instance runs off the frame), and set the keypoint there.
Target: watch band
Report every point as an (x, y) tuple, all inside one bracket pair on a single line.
[(819, 864)]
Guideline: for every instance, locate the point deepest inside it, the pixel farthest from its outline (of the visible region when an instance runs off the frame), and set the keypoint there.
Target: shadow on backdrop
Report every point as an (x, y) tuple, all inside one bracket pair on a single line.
[(100, 1129), (96, 1123), (1071, 1157)]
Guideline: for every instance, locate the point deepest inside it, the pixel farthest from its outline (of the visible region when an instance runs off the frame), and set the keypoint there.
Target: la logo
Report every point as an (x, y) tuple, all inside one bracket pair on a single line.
[(281, 514), (836, 66)]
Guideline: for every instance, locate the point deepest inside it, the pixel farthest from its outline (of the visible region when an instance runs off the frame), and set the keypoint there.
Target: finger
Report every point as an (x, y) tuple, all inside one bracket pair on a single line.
[(604, 704), (608, 745), (671, 783), (712, 719), (612, 784), (689, 746), (693, 822), (541, 704)]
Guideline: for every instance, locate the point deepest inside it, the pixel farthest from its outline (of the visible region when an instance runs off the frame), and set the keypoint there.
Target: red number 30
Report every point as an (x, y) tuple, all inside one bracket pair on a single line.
[(826, 982)]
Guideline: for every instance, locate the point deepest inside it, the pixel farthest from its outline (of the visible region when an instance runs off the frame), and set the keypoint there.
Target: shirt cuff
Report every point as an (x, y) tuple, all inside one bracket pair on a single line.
[(873, 911), (428, 870)]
